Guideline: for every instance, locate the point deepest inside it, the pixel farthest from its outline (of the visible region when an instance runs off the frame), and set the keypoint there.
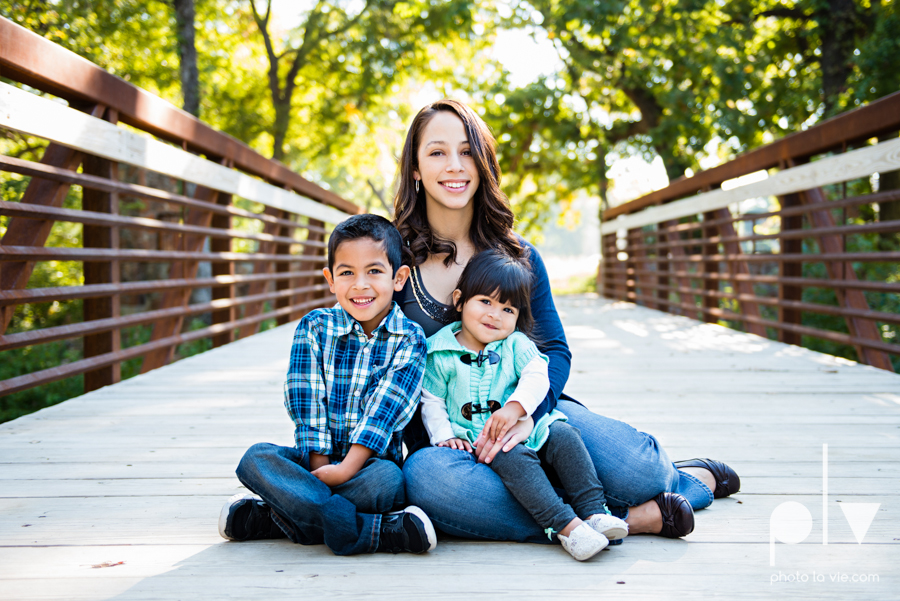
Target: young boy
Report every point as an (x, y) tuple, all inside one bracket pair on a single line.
[(354, 381)]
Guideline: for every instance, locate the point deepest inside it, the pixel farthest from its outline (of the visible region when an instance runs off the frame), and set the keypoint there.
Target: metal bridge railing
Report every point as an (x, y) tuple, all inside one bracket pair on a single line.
[(746, 253), (216, 216)]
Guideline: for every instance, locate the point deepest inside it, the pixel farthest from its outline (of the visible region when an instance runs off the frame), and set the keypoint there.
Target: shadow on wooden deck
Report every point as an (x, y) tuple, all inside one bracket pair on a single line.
[(137, 473)]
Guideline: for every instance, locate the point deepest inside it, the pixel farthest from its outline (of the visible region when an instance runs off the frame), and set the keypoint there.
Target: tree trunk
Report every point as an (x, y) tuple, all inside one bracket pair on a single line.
[(837, 26), (187, 54), (280, 126)]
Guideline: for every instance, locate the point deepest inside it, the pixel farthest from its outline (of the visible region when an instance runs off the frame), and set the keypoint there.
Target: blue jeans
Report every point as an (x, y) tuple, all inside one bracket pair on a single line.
[(347, 518), (467, 499)]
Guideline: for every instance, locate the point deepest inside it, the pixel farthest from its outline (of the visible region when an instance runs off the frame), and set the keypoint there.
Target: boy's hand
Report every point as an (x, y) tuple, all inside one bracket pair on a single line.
[(332, 475), (502, 420), (335, 475), (316, 461), (456, 443)]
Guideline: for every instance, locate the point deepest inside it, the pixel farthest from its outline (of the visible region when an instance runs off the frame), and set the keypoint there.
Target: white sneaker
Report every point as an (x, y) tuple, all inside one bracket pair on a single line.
[(609, 526), (583, 542)]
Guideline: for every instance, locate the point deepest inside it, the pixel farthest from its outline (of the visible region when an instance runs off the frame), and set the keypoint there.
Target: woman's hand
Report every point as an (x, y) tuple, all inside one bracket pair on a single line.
[(487, 450), (456, 443)]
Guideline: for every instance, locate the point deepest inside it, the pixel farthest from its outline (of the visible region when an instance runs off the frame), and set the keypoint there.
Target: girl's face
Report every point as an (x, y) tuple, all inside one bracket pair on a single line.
[(484, 320), (446, 167)]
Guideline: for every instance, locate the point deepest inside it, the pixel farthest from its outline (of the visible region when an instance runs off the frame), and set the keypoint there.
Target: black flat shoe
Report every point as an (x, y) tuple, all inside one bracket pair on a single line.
[(677, 515), (727, 481)]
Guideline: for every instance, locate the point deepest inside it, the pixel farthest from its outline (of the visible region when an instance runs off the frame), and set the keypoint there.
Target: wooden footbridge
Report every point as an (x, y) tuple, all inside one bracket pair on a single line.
[(115, 494)]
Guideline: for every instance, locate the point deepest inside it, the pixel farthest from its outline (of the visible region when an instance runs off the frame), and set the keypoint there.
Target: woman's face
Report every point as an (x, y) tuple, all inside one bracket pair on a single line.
[(446, 167)]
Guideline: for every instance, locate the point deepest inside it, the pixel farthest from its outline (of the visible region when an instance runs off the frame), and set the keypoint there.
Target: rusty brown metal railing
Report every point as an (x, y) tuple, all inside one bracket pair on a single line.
[(693, 248), (198, 175)]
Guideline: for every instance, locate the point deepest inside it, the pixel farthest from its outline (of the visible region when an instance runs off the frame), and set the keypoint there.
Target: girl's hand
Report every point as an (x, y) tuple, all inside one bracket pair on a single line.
[(487, 450), (456, 443), (502, 420)]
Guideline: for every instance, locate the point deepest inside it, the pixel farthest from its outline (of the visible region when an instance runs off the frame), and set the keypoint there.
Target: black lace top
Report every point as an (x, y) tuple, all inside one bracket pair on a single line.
[(418, 305)]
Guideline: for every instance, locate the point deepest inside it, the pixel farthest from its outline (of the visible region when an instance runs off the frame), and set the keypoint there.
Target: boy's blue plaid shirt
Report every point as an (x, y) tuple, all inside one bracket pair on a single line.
[(343, 388)]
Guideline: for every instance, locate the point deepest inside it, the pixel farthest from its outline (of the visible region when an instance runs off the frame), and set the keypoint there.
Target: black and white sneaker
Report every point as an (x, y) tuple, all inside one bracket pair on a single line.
[(245, 517), (407, 531)]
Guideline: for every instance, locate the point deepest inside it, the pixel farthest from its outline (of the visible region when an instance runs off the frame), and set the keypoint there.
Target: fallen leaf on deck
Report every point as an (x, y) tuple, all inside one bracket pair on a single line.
[(107, 564)]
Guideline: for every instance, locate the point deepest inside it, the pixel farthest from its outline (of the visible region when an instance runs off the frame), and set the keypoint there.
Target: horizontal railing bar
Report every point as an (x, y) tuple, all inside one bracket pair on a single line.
[(774, 279), (42, 336), (64, 293), (893, 349), (774, 302), (93, 182), (878, 197), (53, 374), (41, 212), (840, 230), (38, 253), (885, 256)]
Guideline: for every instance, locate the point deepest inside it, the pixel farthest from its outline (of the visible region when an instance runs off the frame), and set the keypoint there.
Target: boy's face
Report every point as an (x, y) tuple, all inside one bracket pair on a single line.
[(362, 281)]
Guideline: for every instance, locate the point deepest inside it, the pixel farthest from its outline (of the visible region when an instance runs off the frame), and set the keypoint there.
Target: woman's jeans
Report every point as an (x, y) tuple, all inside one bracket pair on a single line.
[(346, 518), (467, 499)]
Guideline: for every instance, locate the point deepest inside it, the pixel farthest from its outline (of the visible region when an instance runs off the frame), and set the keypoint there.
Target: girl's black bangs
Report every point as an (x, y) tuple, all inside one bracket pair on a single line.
[(509, 280)]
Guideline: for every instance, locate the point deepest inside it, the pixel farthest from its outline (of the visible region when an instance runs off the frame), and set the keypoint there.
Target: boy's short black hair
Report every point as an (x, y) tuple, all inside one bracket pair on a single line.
[(370, 226), (493, 271)]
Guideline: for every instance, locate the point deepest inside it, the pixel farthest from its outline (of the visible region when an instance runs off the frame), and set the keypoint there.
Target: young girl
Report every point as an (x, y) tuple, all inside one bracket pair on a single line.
[(484, 374)]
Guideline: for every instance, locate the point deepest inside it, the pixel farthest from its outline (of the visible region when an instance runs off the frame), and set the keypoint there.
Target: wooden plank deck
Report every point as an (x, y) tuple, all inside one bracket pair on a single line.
[(137, 473)]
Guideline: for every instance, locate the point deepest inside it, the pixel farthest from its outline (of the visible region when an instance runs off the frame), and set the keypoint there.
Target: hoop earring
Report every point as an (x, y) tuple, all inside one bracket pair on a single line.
[(417, 186)]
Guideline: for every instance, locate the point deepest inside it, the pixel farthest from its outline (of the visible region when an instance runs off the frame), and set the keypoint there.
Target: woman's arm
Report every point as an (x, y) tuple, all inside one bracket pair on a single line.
[(549, 335)]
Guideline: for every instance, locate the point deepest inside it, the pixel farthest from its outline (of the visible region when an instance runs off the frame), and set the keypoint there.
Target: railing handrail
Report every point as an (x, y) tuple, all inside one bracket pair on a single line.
[(834, 169), (44, 118), (30, 59), (878, 117)]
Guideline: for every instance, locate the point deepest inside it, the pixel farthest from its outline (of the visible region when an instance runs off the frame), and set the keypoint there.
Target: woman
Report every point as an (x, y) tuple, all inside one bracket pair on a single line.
[(448, 207)]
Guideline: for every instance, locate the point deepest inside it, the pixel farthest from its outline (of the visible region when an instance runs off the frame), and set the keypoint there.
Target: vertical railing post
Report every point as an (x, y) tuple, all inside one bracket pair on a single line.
[(222, 268), (259, 268), (790, 269), (606, 273), (317, 235), (709, 267), (738, 267), (641, 264), (284, 267), (101, 272), (662, 266), (630, 275)]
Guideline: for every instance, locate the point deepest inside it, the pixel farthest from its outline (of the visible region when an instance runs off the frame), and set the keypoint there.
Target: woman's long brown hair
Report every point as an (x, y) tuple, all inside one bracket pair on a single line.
[(492, 220)]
